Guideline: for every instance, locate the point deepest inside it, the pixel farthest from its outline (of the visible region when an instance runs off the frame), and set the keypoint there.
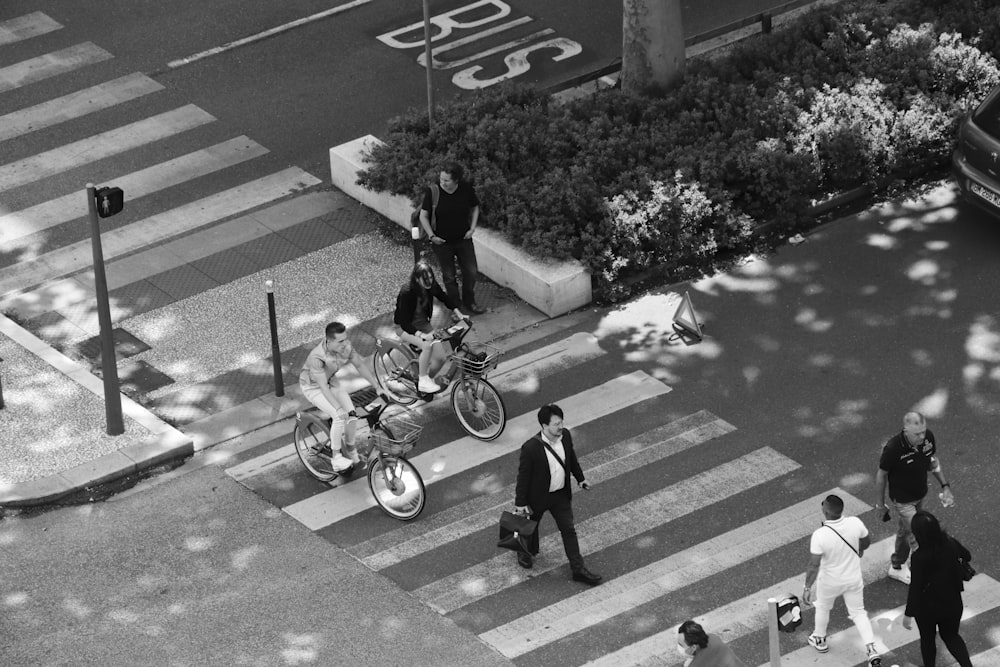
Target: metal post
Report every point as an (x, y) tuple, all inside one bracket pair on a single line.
[(279, 383), (772, 630), (428, 64), (765, 23), (109, 363), (1, 387)]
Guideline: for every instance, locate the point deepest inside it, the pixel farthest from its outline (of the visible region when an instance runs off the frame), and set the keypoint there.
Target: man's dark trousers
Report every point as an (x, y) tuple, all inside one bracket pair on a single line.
[(465, 253), (562, 511)]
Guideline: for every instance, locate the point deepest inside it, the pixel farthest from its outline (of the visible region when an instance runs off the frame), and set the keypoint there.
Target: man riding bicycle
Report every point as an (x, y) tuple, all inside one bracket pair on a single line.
[(320, 386), (414, 309)]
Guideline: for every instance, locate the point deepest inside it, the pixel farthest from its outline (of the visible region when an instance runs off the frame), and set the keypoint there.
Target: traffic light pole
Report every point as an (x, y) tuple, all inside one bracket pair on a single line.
[(109, 363)]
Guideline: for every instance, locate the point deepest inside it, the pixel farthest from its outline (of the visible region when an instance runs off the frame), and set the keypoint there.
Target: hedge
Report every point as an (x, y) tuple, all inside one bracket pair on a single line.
[(846, 95)]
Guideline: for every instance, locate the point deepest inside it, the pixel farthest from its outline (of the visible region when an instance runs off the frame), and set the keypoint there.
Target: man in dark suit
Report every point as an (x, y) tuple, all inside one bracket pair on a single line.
[(547, 460)]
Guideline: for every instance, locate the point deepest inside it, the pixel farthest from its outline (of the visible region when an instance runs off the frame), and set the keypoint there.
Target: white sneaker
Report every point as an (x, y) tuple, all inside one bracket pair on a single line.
[(818, 643), (901, 574), (427, 386), (874, 659), (339, 462)]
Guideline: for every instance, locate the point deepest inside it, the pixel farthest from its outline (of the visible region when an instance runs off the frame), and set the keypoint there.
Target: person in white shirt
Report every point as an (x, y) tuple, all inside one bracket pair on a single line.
[(835, 568)]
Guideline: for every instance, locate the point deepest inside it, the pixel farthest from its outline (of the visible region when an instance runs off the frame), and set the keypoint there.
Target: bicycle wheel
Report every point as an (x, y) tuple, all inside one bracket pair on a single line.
[(396, 372), (397, 487), (479, 408), (312, 444)]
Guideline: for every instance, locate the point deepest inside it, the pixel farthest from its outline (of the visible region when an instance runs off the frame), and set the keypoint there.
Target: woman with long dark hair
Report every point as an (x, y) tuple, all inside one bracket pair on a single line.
[(935, 595)]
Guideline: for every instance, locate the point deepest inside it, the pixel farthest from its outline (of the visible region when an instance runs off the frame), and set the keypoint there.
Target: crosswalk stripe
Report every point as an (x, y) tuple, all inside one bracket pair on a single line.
[(99, 146), (514, 375), (442, 462), (481, 512), (65, 296), (737, 618), (51, 64), (26, 27), (74, 105), (157, 228), (987, 658), (604, 530), (655, 580), (981, 595), (19, 224)]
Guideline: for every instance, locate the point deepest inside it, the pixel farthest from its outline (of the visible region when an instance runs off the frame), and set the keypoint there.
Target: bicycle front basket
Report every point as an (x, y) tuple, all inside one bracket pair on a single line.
[(405, 434), (477, 358)]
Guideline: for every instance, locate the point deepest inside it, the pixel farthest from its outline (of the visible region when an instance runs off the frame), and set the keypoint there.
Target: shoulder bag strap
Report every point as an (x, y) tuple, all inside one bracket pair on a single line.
[(435, 196), (553, 452), (845, 541)]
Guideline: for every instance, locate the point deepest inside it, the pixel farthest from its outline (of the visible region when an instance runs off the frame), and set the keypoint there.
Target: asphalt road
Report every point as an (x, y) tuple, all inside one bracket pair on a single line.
[(330, 80)]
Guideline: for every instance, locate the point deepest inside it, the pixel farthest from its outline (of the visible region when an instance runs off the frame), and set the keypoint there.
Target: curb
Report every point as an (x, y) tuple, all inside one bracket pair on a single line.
[(166, 444)]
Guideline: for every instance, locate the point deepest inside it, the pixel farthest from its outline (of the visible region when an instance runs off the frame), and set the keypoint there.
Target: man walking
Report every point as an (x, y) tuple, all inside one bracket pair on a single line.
[(906, 459), (547, 460), (835, 568)]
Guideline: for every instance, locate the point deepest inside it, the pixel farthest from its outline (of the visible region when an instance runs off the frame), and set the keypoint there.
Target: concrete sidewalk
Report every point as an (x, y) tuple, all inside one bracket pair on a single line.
[(204, 414)]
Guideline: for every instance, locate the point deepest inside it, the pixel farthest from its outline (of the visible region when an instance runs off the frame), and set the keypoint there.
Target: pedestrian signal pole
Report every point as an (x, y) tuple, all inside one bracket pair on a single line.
[(428, 65), (104, 203)]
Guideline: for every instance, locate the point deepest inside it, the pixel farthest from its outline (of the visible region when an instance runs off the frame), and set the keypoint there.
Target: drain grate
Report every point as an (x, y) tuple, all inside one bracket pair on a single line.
[(126, 345), (138, 377)]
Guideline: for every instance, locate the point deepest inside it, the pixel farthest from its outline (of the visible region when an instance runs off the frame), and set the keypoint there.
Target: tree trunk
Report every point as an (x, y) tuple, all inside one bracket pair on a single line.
[(652, 45)]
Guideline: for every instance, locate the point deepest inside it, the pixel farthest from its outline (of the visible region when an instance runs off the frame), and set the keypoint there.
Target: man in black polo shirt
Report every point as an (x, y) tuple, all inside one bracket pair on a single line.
[(450, 226), (906, 459)]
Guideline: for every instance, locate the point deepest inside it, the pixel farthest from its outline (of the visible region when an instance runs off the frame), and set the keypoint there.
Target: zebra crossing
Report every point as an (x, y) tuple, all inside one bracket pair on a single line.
[(45, 259), (683, 520)]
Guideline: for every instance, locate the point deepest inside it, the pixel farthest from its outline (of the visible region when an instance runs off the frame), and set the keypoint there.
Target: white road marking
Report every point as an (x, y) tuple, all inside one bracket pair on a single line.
[(77, 256), (481, 512), (612, 527), (99, 146), (590, 607), (442, 462), (74, 105), (19, 224), (51, 64), (25, 27)]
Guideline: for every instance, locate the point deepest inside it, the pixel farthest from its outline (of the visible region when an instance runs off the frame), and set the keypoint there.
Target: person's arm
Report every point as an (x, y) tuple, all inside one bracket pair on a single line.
[(406, 304), (949, 497), (523, 485), (473, 221), (812, 571), (317, 373), (863, 544), (364, 370), (573, 462), (881, 477), (914, 591), (438, 293)]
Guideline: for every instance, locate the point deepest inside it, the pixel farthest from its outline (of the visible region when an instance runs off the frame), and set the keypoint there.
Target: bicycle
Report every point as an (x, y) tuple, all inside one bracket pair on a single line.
[(476, 403), (395, 483)]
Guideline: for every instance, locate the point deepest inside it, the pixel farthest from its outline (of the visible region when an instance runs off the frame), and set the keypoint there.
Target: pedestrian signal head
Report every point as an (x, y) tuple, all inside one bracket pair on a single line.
[(109, 201)]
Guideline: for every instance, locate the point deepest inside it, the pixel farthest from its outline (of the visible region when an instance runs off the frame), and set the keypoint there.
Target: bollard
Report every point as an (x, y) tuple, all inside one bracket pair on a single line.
[(772, 631), (1, 387), (279, 383)]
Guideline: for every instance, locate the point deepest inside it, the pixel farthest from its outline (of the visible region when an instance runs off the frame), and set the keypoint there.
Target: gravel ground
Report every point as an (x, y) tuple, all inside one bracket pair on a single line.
[(227, 327), (50, 423)]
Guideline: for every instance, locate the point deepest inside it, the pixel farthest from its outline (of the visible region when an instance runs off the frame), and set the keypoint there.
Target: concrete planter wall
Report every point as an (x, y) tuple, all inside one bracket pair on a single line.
[(552, 287)]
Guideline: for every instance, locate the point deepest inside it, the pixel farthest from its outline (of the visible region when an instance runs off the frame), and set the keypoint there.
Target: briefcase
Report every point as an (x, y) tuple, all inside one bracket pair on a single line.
[(516, 532)]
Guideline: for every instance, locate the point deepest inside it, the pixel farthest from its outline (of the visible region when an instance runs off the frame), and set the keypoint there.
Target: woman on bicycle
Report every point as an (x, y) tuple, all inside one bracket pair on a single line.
[(414, 309)]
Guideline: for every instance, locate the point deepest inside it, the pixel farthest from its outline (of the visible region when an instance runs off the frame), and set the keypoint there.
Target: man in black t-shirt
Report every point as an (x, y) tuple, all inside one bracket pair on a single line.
[(450, 226), (906, 459)]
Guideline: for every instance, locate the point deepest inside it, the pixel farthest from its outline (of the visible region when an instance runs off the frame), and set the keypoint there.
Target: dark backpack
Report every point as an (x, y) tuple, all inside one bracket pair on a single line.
[(415, 216)]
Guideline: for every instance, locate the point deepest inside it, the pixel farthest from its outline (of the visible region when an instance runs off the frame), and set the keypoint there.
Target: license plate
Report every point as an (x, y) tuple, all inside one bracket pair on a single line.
[(988, 195)]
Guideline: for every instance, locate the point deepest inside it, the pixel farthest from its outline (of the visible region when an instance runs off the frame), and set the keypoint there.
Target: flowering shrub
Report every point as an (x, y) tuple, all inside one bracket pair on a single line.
[(846, 95)]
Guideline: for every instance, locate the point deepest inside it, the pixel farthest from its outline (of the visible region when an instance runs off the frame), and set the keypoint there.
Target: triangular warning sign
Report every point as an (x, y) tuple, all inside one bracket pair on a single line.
[(684, 317)]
